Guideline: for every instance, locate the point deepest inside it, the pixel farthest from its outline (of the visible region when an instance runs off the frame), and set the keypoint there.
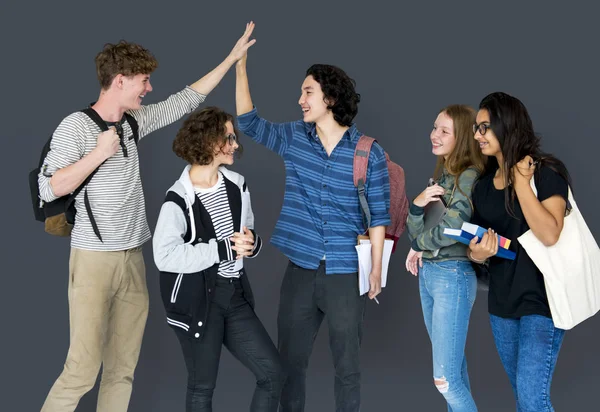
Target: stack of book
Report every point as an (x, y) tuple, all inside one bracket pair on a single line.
[(468, 231)]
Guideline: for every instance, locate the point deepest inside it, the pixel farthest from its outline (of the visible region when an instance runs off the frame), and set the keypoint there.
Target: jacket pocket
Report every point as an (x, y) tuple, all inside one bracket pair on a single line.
[(182, 292), (175, 289), (178, 321), (173, 293)]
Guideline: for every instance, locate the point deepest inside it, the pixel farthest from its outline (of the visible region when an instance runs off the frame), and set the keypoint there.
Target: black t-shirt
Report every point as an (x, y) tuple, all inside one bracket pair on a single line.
[(516, 286)]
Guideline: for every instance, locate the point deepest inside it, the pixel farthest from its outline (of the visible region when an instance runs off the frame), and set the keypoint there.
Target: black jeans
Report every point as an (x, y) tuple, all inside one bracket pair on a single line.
[(231, 322), (306, 297)]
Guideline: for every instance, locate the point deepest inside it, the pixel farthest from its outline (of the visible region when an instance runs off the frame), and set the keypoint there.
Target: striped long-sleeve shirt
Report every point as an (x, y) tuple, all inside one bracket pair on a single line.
[(216, 203), (321, 214), (115, 192)]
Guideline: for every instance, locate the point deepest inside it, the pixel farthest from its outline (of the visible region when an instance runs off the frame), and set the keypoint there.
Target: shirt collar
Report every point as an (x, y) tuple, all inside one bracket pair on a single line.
[(352, 134)]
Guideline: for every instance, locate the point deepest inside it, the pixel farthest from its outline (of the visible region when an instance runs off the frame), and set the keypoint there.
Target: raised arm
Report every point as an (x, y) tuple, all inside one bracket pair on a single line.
[(275, 136), (207, 83), (155, 116), (243, 100)]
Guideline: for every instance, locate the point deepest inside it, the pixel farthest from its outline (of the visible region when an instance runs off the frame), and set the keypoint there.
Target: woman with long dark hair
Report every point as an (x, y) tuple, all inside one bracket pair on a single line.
[(447, 281), (526, 338)]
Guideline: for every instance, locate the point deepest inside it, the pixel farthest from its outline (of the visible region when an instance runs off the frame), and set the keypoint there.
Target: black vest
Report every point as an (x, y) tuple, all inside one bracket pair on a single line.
[(187, 296)]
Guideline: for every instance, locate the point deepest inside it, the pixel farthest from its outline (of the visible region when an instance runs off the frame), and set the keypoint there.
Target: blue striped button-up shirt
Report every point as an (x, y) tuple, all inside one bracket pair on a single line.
[(321, 214)]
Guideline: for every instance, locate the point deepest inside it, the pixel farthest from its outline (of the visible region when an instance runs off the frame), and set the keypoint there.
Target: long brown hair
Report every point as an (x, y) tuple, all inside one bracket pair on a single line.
[(466, 152)]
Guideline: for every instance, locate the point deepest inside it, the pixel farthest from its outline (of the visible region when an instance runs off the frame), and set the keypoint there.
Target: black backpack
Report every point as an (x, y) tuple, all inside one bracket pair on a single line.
[(59, 215)]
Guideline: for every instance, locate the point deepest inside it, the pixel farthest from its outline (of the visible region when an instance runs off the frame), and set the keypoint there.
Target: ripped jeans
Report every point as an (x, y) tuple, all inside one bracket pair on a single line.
[(448, 291)]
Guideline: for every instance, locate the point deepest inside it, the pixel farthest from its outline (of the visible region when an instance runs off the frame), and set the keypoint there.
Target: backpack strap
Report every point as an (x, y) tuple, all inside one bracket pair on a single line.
[(92, 114), (179, 201), (359, 172), (95, 117), (134, 126), (175, 198)]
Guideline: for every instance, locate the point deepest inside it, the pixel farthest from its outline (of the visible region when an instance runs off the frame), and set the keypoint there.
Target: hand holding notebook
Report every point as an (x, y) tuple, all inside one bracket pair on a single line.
[(365, 264), (435, 210)]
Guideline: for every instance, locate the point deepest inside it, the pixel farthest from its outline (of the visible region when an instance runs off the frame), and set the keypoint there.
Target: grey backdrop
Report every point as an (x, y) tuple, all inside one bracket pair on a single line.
[(409, 60)]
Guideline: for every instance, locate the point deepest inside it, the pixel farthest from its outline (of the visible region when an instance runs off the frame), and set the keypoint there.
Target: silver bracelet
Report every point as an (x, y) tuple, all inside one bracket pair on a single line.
[(473, 259)]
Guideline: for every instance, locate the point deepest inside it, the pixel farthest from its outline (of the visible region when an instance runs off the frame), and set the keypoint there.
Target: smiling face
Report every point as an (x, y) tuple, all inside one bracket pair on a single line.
[(488, 142), (312, 101), (442, 136), (133, 90), (225, 155)]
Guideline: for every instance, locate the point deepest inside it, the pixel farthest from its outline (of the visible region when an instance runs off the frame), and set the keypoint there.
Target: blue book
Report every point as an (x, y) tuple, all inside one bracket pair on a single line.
[(479, 231), (465, 236)]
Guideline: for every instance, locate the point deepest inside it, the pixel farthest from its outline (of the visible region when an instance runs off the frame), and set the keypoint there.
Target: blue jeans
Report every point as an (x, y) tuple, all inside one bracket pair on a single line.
[(448, 292), (528, 348)]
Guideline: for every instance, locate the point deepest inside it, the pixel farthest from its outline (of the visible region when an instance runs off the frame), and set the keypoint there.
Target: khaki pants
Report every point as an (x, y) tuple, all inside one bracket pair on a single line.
[(108, 307)]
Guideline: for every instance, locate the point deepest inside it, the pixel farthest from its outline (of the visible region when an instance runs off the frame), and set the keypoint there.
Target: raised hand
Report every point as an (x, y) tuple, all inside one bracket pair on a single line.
[(243, 44), (523, 171)]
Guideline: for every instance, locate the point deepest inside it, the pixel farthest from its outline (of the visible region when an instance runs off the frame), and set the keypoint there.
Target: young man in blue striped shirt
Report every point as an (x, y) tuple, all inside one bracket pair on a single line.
[(318, 226)]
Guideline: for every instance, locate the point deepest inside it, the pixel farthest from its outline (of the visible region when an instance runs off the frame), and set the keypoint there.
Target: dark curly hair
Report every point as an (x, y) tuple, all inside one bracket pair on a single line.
[(123, 58), (202, 136), (338, 88)]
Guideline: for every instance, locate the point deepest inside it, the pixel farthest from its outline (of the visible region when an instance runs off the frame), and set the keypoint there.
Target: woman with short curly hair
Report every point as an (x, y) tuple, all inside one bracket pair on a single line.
[(201, 134), (204, 230)]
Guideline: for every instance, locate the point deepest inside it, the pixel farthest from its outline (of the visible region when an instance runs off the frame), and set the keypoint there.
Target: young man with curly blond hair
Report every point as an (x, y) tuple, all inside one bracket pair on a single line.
[(108, 297)]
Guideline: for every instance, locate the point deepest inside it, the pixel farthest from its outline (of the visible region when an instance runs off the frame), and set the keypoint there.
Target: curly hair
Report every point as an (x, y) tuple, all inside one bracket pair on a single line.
[(202, 136), (123, 58), (338, 88)]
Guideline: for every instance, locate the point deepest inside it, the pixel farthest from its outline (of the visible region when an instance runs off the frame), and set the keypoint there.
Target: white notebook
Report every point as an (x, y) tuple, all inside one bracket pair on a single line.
[(364, 263)]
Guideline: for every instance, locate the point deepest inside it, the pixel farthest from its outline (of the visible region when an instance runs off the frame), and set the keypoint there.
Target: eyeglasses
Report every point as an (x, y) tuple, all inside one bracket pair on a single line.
[(482, 128), (231, 138)]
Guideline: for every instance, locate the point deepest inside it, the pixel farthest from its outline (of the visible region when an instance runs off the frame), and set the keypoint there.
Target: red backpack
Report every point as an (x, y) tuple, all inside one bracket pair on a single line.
[(398, 199)]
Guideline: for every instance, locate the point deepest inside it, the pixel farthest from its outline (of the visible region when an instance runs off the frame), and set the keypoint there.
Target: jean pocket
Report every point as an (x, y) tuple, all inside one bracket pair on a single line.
[(445, 266)]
